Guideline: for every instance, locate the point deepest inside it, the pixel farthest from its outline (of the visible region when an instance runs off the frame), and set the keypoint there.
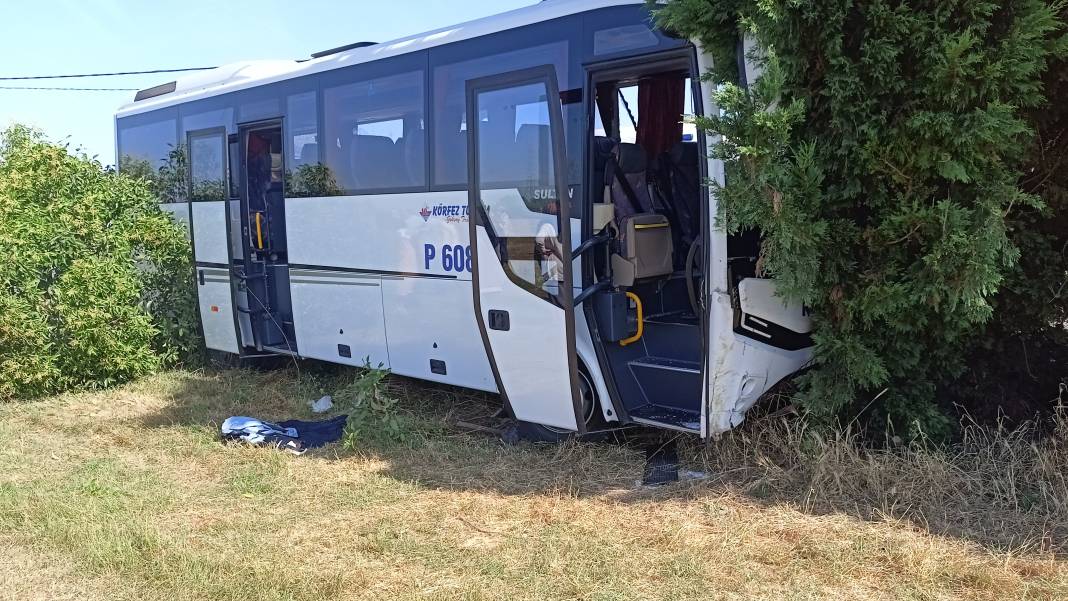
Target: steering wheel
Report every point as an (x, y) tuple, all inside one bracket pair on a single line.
[(691, 284)]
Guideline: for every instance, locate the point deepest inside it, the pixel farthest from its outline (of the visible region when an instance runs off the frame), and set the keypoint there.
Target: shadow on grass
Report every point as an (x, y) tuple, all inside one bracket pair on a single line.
[(1001, 490)]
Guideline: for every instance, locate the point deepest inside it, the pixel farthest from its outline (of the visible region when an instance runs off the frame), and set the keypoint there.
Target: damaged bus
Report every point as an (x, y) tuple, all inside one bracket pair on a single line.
[(514, 204)]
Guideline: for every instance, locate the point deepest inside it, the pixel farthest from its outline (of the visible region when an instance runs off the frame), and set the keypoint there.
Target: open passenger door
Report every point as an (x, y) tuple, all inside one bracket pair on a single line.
[(209, 216), (521, 243)]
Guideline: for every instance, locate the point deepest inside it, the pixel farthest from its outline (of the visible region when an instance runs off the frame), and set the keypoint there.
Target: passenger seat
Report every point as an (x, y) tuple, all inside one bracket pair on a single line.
[(626, 177), (375, 163), (645, 241), (681, 170), (414, 152)]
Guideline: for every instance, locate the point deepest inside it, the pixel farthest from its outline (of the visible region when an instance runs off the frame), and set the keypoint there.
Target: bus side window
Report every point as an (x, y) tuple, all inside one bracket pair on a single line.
[(304, 174), (149, 151), (450, 90), (374, 133)]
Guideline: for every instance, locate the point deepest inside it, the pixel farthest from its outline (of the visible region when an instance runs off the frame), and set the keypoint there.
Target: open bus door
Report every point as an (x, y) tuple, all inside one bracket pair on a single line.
[(209, 216), (521, 244), (263, 225)]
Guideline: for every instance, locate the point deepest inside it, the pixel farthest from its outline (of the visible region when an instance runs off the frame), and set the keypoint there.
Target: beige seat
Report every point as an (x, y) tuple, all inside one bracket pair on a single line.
[(644, 236), (647, 249)]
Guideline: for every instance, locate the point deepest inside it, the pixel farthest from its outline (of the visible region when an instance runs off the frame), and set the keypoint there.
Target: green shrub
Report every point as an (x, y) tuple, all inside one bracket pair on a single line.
[(1017, 364), (95, 282), (880, 155), (374, 415)]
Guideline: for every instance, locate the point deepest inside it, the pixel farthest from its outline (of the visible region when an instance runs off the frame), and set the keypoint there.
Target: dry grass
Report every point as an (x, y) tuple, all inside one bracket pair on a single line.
[(127, 495), (1004, 489)]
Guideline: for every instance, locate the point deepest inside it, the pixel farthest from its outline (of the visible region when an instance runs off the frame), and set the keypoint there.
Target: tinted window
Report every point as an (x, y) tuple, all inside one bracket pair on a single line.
[(450, 119), (259, 104), (626, 118), (623, 38), (195, 117), (374, 133), (627, 109), (305, 175), (624, 30), (207, 165), (150, 150)]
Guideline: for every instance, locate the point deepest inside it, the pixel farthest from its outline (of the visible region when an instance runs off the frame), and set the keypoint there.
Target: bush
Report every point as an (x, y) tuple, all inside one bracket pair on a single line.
[(374, 414), (881, 156), (95, 280)]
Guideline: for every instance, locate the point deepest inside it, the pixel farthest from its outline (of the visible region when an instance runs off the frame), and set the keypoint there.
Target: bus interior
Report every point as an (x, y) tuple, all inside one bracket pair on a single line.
[(646, 175), (266, 265)]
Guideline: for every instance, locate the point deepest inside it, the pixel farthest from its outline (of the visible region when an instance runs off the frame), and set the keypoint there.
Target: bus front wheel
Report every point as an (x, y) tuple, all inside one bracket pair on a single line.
[(590, 415)]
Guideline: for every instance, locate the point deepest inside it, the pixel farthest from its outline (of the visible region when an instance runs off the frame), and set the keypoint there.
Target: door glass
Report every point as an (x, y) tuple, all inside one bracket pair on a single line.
[(207, 166), (517, 185)]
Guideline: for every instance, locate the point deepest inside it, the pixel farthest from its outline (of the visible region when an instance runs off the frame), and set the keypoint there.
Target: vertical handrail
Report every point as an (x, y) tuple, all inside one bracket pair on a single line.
[(641, 321)]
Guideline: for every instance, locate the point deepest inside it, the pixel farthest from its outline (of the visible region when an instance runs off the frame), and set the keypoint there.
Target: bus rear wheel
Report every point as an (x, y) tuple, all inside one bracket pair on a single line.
[(590, 415)]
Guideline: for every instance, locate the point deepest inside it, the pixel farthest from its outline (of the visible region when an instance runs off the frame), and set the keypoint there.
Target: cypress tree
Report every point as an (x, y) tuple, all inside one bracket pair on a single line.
[(881, 155)]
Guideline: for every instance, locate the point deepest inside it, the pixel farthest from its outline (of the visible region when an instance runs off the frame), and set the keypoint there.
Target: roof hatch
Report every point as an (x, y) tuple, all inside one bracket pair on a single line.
[(353, 46)]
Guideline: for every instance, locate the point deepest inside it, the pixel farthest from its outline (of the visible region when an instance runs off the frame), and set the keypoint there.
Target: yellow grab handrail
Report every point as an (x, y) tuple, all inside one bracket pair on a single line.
[(646, 226), (641, 321), (259, 231)]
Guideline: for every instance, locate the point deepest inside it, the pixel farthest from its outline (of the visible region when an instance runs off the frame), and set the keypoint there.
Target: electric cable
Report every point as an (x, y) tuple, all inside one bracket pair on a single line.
[(281, 330), (60, 89), (113, 74)]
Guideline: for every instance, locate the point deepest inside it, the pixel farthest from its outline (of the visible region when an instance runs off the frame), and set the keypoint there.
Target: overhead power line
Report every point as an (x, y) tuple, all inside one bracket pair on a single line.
[(68, 89), (117, 73)]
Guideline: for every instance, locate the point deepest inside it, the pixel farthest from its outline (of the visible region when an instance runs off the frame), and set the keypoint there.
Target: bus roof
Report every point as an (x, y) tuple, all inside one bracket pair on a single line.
[(249, 74)]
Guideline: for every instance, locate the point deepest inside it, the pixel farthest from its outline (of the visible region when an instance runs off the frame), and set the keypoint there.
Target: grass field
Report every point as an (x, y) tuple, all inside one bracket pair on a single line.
[(127, 494)]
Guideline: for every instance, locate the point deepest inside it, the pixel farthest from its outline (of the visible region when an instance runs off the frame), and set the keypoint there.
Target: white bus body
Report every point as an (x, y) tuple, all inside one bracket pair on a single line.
[(348, 209)]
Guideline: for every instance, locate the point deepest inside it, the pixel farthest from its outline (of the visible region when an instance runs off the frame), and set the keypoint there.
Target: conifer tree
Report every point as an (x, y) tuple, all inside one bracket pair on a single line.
[(880, 154)]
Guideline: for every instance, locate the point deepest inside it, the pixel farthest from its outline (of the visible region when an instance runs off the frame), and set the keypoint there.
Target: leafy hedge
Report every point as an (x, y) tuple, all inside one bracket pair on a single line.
[(882, 154), (94, 279)]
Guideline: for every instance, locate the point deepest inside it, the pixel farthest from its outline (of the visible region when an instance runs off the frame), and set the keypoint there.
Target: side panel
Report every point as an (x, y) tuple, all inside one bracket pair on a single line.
[(338, 317), (216, 310), (432, 329), (532, 355), (396, 233), (210, 235), (401, 240), (210, 245)]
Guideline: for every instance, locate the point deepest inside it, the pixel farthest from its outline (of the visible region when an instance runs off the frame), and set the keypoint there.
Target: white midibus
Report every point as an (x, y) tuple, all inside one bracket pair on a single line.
[(513, 204)]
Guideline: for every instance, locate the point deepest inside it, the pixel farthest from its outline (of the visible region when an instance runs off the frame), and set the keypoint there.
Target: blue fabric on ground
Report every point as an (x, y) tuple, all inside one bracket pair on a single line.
[(316, 434)]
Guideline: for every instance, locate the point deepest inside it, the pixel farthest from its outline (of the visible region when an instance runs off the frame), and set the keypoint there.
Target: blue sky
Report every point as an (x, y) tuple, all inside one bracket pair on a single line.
[(44, 37)]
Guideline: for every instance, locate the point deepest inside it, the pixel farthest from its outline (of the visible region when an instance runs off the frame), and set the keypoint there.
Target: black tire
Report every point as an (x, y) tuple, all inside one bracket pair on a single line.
[(591, 410), (222, 360)]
